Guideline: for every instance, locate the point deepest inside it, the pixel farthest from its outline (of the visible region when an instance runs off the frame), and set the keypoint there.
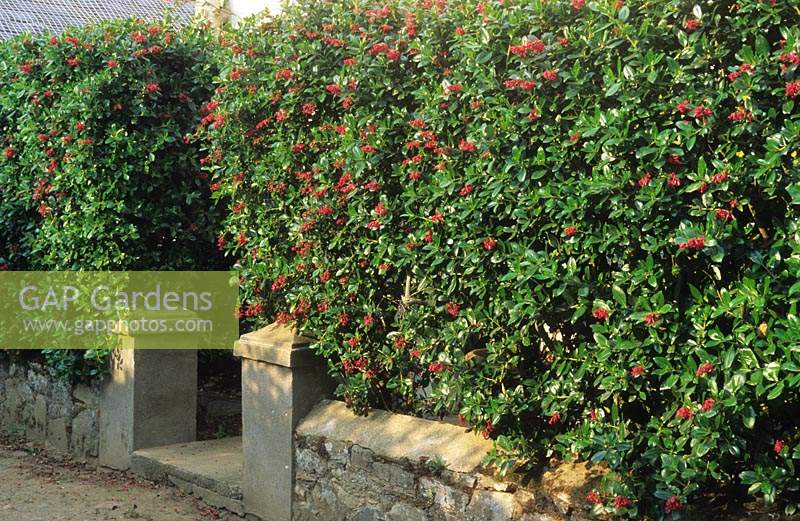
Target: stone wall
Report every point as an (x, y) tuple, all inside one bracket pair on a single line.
[(390, 467), (43, 409)]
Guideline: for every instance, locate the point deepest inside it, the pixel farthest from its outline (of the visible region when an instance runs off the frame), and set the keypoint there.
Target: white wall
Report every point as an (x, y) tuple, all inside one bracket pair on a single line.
[(244, 8)]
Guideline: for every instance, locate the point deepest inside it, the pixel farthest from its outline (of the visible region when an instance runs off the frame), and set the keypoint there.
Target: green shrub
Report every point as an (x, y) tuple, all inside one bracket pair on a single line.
[(96, 171), (576, 225)]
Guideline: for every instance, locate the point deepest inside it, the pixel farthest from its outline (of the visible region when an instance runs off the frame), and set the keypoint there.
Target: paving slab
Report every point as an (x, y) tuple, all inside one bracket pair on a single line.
[(213, 466)]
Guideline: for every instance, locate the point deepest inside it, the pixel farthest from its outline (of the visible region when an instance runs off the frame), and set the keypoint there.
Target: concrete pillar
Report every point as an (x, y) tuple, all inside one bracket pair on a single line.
[(148, 400), (282, 380)]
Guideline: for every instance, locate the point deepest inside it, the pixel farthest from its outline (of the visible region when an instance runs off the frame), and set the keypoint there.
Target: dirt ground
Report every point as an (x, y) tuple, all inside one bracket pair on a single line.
[(37, 486)]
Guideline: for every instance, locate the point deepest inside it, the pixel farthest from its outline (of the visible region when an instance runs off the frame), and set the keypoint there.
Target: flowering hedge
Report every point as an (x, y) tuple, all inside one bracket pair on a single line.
[(95, 172), (95, 168), (574, 224)]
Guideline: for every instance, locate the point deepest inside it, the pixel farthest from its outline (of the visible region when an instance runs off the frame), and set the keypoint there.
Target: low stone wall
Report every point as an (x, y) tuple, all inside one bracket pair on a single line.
[(46, 410), (390, 467)]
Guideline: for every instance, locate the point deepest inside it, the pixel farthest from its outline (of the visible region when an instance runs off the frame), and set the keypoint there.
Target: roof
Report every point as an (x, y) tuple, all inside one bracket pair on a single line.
[(53, 16)]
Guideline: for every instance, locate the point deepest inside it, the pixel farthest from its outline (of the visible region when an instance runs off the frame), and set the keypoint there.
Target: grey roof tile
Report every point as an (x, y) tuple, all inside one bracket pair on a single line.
[(42, 16)]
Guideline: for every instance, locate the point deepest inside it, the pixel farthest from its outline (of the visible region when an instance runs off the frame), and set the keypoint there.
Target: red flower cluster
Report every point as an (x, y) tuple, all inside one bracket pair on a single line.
[(704, 369), (594, 498), (778, 447), (489, 244), (695, 243), (621, 502), (672, 504), (9, 153), (637, 371), (569, 231), (453, 309), (600, 314), (555, 419), (651, 318), (535, 46), (708, 404), (685, 413), (527, 85), (692, 24), (793, 89), (435, 367)]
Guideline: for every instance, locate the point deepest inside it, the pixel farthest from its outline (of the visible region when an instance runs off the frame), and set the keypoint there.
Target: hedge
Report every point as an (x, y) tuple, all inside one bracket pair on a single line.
[(573, 223), (96, 168)]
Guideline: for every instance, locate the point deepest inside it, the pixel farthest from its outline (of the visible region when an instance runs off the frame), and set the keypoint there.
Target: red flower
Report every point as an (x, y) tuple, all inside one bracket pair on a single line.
[(778, 447), (645, 180), (724, 215), (672, 504), (621, 502), (487, 430), (708, 405), (279, 283), (651, 318), (466, 190), (578, 4), (344, 319), (793, 89), (684, 413), (43, 210), (368, 320), (637, 371), (455, 88), (460, 31), (691, 24), (555, 419), (399, 342), (720, 177), (72, 62), (704, 369), (489, 244), (284, 74), (701, 112), (569, 231), (334, 89), (674, 181), (152, 87), (466, 146), (600, 314), (436, 367), (374, 225), (9, 152), (112, 64), (594, 498), (438, 218), (550, 75), (453, 309), (683, 106), (696, 243)]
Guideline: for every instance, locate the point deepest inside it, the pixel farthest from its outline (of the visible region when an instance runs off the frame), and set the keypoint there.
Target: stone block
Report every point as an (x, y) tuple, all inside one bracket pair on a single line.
[(442, 498), (406, 512), (84, 438), (58, 434), (487, 505)]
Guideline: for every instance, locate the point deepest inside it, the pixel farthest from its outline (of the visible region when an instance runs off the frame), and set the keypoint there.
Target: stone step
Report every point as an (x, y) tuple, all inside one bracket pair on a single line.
[(210, 470)]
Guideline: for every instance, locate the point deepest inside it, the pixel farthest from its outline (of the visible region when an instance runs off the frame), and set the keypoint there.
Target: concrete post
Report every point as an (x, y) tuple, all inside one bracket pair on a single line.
[(282, 380), (149, 400)]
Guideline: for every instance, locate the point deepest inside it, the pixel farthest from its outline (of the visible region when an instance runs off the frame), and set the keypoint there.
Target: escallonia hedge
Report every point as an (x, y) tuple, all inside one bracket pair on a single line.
[(573, 223), (96, 169)]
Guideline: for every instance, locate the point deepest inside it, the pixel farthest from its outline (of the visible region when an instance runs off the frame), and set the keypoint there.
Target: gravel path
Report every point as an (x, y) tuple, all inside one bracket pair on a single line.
[(35, 486)]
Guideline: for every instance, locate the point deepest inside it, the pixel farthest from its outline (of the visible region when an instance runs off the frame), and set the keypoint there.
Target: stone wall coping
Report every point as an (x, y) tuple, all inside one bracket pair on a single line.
[(397, 436), (278, 345)]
